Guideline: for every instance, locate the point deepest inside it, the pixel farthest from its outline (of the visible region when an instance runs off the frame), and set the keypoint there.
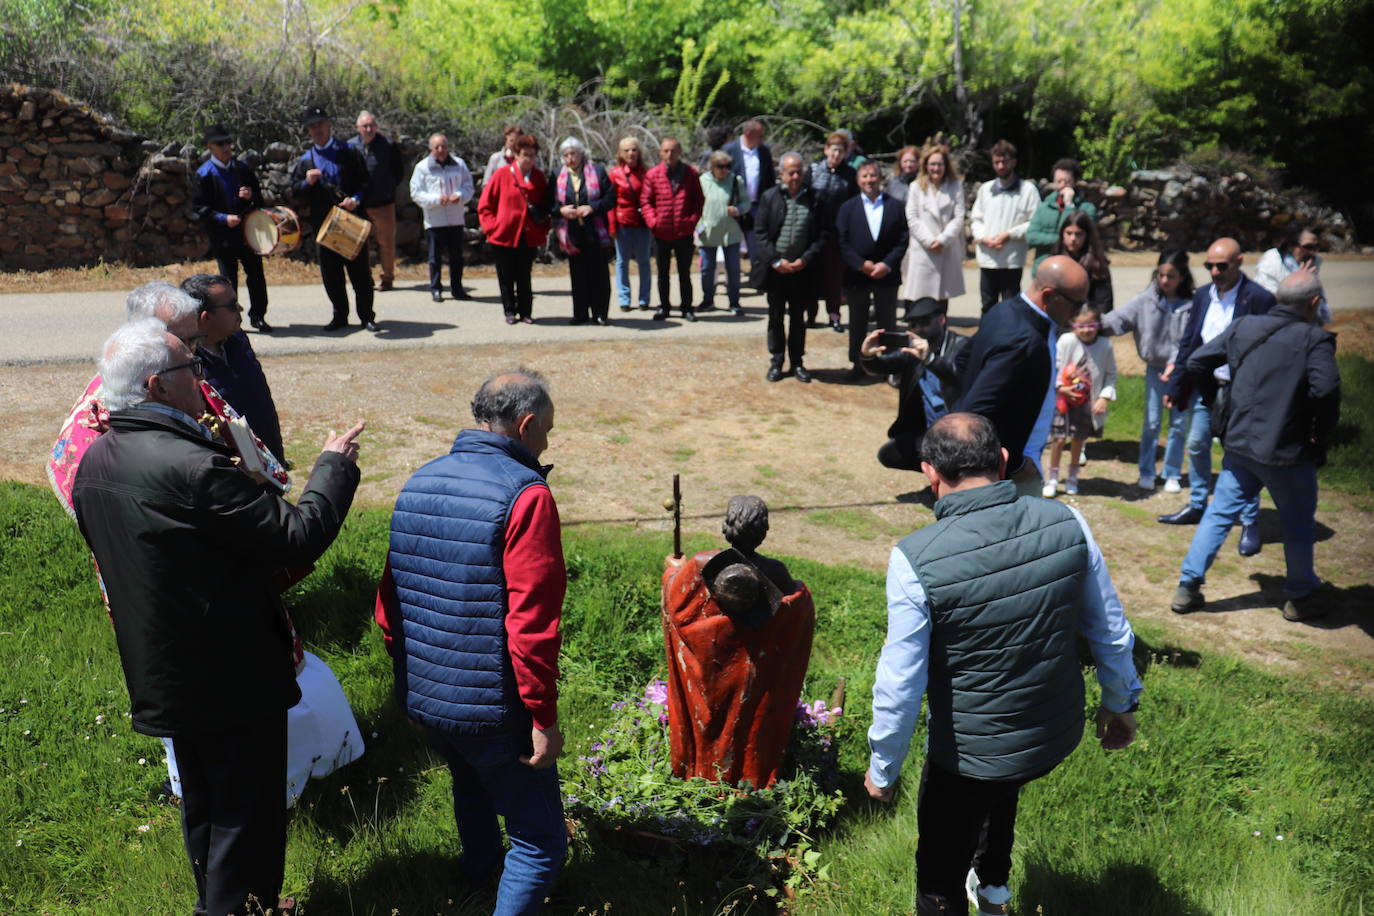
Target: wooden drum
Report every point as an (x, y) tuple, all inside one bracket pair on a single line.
[(272, 230), (343, 233)]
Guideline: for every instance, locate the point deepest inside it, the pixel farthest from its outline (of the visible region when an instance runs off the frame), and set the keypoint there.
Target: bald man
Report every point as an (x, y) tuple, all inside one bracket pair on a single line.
[(1229, 296), (1007, 371)]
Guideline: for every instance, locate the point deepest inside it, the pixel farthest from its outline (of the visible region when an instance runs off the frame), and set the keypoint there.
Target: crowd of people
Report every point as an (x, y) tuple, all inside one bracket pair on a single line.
[(173, 466)]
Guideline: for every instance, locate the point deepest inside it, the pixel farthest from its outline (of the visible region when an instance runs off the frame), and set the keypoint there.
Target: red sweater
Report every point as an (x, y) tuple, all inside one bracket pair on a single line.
[(629, 187), (504, 208), (536, 581), (670, 214)]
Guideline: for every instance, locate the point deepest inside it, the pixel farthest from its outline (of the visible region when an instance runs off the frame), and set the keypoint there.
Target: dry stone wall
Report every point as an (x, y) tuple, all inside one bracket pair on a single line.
[(77, 188)]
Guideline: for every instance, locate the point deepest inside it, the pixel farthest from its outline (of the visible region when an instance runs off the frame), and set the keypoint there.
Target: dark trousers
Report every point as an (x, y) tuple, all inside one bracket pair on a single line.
[(831, 277), (664, 252), (789, 296), (228, 260), (996, 284), (591, 284), (513, 266), (233, 815), (332, 269), (883, 297), (445, 239), (963, 823), (902, 453)]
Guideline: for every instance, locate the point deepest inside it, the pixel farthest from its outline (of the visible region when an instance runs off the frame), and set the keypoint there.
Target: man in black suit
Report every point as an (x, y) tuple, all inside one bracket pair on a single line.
[(1229, 296), (752, 160), (222, 193), (790, 235), (1007, 371), (929, 384), (332, 173), (872, 235)]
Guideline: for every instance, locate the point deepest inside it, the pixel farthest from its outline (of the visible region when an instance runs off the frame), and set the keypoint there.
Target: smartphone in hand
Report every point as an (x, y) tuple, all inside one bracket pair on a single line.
[(892, 341)]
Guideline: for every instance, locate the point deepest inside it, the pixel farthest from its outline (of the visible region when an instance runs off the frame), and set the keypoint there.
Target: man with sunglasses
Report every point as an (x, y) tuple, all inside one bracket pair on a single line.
[(189, 547), (1007, 371), (1230, 295), (231, 365), (222, 193)]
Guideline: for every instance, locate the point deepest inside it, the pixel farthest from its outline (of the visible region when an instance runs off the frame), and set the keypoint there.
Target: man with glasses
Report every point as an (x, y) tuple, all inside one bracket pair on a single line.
[(1229, 296), (231, 366), (207, 657), (1008, 371), (383, 162), (223, 192)]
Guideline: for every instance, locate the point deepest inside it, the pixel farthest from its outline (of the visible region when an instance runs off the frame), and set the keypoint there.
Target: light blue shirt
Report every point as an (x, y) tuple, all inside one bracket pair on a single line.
[(180, 416), (1040, 433), (873, 209), (1220, 310), (902, 666)]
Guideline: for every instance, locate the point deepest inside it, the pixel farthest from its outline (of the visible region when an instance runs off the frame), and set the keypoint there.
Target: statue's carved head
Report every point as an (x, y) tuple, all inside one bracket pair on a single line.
[(746, 523)]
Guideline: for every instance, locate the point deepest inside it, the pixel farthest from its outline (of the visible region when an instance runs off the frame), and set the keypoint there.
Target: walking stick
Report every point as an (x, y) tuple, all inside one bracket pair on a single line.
[(675, 506)]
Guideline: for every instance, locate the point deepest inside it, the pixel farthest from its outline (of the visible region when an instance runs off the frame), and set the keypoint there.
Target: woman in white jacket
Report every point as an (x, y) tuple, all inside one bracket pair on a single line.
[(934, 264)]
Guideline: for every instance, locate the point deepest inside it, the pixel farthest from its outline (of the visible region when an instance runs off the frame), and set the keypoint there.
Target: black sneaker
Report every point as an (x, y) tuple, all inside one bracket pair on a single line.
[(1187, 598)]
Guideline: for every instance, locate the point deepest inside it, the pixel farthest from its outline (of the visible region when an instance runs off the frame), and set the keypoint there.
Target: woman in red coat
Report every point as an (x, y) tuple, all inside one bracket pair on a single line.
[(632, 238), (514, 213)]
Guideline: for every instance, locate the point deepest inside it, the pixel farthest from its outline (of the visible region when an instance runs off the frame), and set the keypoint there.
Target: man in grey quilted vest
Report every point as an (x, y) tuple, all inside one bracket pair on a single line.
[(983, 609)]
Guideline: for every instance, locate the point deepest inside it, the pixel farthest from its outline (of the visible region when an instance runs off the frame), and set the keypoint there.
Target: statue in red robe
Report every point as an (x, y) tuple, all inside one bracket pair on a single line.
[(738, 630)]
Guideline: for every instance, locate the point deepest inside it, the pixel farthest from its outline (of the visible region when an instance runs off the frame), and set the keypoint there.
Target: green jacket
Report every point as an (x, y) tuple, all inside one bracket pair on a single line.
[(1004, 578), (189, 548), (1043, 231)]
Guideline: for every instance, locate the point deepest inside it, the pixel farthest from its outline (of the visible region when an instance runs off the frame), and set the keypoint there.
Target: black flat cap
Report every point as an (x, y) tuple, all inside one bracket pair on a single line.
[(313, 114)]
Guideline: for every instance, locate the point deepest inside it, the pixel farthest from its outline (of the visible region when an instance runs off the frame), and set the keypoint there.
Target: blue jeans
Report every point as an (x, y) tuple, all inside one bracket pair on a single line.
[(708, 273), (632, 244), (1294, 490), (1149, 430), (489, 779), (1200, 461)]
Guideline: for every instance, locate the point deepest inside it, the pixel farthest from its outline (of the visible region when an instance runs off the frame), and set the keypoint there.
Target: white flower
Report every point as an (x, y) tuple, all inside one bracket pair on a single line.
[(100, 718), (144, 828), (1278, 836), (26, 731), (143, 761)]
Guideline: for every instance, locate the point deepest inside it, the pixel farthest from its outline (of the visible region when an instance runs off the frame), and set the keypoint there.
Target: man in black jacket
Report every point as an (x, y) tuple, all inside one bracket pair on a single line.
[(333, 173), (383, 162), (928, 386), (1285, 400), (872, 231), (1229, 296), (752, 160), (189, 547), (790, 233), (1007, 371), (223, 191)]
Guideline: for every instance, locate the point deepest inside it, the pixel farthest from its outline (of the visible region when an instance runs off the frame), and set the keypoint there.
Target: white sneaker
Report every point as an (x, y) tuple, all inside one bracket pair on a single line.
[(1051, 487), (1171, 485), (993, 900), (1071, 487), (1146, 483)]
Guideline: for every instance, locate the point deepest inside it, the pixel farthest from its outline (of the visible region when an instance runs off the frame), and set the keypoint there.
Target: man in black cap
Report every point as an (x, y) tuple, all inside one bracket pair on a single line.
[(331, 173), (223, 192), (928, 385)]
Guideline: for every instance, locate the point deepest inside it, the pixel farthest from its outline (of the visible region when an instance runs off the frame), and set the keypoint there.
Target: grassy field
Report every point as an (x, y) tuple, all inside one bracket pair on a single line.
[(1246, 793)]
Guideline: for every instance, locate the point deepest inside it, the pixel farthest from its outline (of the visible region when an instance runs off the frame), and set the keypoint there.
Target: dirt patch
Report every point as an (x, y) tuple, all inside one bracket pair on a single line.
[(631, 414)]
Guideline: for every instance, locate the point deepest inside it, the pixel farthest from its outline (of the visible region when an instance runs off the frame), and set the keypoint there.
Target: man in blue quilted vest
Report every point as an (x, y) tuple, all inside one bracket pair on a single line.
[(983, 609), (470, 602)]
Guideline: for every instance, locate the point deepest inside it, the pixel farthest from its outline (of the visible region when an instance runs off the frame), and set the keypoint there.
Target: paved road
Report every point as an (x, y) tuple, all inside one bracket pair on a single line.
[(70, 327)]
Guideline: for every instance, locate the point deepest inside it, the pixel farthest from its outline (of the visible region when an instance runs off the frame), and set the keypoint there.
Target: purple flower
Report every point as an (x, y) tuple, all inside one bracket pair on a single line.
[(657, 692)]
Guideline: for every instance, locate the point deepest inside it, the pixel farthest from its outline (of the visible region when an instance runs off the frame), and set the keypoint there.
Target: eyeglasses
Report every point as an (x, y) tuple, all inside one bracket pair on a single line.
[(1076, 303), (196, 364), (1217, 266), (228, 305)]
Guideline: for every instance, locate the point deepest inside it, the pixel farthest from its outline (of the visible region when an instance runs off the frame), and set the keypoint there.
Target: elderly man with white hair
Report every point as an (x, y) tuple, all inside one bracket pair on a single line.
[(583, 196), (442, 187), (207, 658)]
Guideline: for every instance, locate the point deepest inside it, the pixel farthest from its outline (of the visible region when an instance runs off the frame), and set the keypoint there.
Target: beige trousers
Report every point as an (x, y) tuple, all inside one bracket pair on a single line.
[(383, 218)]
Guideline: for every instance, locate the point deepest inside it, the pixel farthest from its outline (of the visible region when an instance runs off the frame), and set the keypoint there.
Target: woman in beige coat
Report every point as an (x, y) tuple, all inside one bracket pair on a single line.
[(934, 264)]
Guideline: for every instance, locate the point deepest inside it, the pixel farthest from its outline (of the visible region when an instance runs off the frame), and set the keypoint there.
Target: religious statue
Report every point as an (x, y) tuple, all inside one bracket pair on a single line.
[(737, 629)]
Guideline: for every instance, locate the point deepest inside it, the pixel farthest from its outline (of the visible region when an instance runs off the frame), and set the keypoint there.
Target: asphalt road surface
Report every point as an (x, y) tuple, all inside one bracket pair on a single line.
[(70, 327)]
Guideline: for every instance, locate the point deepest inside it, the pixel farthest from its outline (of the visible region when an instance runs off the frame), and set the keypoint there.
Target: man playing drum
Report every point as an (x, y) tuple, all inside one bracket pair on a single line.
[(223, 192), (331, 173)]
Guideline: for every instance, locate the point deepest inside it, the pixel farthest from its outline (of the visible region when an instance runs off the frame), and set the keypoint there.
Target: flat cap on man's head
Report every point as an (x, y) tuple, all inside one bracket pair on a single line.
[(924, 307), (218, 133), (313, 114)]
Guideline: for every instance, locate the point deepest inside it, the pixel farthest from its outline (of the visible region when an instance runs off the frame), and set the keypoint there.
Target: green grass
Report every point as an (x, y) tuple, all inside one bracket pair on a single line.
[(1350, 462), (1166, 827)]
